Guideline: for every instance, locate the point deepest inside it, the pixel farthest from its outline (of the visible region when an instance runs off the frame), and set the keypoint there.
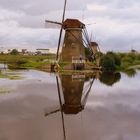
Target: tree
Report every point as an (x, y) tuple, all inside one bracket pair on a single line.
[(116, 57), (107, 63), (14, 52), (110, 61)]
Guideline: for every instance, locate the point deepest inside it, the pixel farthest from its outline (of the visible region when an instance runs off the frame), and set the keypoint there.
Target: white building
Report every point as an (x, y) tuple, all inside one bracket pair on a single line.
[(43, 51)]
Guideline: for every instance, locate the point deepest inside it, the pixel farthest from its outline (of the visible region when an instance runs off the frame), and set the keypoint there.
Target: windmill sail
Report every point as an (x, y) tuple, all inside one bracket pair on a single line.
[(52, 24), (60, 35)]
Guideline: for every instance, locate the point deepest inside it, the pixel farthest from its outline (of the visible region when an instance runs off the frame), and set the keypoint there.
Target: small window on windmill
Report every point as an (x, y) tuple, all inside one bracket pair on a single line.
[(73, 45)]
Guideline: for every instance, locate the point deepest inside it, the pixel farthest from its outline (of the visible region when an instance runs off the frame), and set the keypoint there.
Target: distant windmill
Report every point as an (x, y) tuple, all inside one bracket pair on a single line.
[(95, 52)]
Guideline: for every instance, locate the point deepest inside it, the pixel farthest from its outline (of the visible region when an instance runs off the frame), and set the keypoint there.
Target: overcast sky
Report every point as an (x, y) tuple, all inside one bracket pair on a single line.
[(115, 24)]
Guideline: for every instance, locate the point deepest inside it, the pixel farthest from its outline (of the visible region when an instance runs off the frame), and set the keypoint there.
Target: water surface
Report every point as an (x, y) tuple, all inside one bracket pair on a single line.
[(99, 107)]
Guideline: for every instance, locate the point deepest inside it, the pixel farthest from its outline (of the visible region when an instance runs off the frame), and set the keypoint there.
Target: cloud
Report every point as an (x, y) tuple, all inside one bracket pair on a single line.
[(29, 38), (96, 7), (22, 23)]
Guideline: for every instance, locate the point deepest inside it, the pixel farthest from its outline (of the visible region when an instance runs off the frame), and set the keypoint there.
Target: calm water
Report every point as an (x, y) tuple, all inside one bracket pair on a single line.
[(41, 106)]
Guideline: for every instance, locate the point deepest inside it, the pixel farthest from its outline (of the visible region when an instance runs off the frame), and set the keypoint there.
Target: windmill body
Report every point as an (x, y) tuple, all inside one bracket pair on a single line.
[(73, 50)]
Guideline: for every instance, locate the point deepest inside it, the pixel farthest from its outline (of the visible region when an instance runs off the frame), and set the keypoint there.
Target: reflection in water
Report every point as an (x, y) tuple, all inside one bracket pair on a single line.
[(109, 78), (74, 95), (73, 99), (111, 113), (130, 72), (75, 90), (3, 66)]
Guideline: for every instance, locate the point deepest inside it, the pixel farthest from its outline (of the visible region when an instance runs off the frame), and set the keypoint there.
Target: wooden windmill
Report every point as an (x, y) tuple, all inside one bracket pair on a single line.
[(73, 49), (75, 40), (95, 52)]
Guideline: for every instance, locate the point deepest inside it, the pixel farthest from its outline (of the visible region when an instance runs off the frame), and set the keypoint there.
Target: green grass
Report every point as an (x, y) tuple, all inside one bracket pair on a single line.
[(27, 61), (13, 58)]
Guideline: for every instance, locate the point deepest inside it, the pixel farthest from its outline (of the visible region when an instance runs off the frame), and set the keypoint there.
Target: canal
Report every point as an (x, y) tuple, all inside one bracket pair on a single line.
[(36, 105)]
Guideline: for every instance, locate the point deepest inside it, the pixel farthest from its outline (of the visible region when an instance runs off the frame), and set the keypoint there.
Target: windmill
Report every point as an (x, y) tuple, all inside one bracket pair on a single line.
[(73, 48), (95, 52), (76, 39)]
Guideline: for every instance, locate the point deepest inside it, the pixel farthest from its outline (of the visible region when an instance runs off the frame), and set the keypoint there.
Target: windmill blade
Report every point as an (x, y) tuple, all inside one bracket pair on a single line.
[(59, 41), (52, 24), (60, 102), (91, 37), (60, 35), (52, 110), (90, 23), (86, 36), (84, 100)]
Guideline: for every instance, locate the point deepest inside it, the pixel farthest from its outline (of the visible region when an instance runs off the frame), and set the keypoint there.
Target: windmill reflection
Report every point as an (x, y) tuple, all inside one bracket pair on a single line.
[(72, 87), (74, 93)]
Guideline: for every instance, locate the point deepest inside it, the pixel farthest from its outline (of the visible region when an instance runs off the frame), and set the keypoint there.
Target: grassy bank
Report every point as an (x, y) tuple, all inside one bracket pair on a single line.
[(27, 61), (129, 60), (109, 61)]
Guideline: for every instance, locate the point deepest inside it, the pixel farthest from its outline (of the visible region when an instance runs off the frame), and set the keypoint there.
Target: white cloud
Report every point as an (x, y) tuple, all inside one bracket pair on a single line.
[(8, 14), (96, 7), (22, 23)]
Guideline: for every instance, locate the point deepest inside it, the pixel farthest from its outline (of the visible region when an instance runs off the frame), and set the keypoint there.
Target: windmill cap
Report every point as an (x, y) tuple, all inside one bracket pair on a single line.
[(73, 23)]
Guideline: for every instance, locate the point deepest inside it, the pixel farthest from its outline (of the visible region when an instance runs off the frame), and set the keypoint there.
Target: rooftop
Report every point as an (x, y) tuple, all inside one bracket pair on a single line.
[(73, 23)]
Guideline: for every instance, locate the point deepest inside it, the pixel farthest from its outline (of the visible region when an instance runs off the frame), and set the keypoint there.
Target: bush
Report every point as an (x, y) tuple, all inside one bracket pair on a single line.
[(107, 63), (127, 59), (116, 57), (130, 72), (110, 61), (14, 52), (21, 61)]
